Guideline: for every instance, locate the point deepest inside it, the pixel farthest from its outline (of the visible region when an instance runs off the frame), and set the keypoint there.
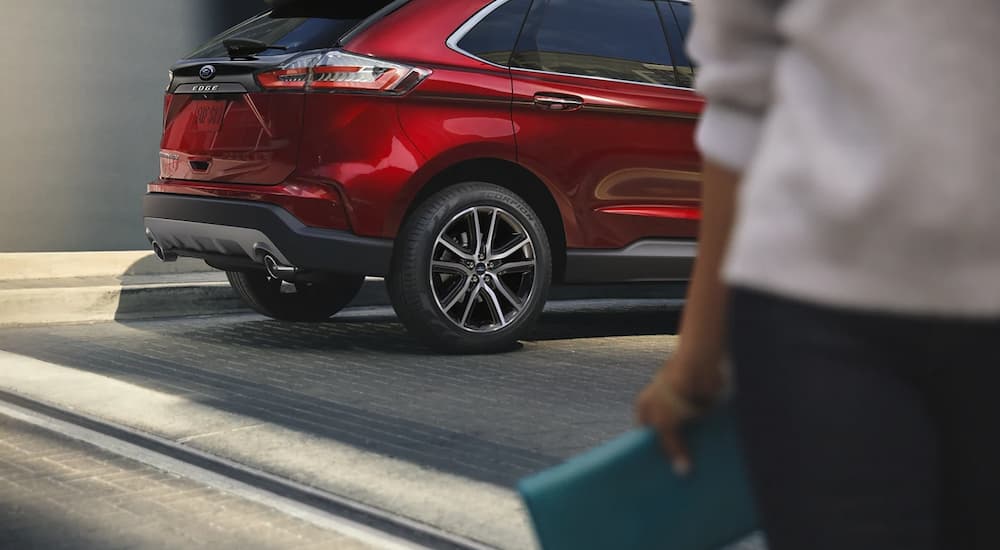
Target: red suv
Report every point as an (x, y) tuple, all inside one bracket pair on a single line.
[(473, 152)]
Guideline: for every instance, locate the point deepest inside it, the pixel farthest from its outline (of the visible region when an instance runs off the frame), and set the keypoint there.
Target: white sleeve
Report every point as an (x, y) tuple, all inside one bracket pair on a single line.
[(735, 43)]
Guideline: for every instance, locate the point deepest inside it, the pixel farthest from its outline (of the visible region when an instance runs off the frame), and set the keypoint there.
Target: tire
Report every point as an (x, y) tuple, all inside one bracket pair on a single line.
[(464, 302), (305, 302)]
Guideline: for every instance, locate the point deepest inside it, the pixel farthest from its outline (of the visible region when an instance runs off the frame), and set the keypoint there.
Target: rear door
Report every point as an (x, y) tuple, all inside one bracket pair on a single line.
[(603, 112), (219, 125)]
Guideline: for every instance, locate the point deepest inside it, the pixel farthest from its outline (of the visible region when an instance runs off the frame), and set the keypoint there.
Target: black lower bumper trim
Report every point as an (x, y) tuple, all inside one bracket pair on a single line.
[(648, 260), (308, 248)]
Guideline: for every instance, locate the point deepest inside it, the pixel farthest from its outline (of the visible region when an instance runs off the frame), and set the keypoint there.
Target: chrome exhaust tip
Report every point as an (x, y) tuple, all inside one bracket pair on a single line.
[(163, 255), (276, 270)]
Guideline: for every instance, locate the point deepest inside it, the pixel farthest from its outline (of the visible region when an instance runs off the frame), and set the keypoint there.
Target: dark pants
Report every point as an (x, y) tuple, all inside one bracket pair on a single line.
[(868, 431)]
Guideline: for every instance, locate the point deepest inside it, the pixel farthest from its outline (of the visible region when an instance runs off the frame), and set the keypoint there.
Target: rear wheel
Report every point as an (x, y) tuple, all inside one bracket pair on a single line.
[(305, 301), (471, 269)]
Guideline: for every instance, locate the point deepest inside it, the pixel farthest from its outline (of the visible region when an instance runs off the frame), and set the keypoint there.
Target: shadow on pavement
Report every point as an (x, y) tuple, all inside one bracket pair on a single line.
[(492, 418), (638, 321)]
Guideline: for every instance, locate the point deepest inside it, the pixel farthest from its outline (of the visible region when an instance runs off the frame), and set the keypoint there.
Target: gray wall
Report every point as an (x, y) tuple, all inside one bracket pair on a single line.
[(80, 113)]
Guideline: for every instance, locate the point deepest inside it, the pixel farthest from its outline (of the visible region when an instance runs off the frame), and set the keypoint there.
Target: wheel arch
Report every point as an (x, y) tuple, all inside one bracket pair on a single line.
[(555, 215)]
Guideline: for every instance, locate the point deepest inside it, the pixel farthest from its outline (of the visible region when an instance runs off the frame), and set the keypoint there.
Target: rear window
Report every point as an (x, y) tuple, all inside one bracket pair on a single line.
[(294, 33), (298, 25)]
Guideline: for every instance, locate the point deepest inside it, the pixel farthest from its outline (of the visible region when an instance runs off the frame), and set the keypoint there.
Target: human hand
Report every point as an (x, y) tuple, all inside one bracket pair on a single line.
[(693, 377), (683, 390)]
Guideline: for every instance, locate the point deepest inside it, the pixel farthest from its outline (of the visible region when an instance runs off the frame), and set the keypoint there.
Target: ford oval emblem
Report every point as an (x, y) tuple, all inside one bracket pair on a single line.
[(207, 72)]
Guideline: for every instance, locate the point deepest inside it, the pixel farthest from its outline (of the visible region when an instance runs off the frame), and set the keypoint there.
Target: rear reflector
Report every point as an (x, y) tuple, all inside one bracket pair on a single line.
[(657, 211), (335, 70)]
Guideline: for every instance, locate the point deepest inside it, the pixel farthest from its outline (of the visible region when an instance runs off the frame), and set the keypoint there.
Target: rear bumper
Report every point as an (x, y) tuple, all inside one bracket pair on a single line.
[(236, 233)]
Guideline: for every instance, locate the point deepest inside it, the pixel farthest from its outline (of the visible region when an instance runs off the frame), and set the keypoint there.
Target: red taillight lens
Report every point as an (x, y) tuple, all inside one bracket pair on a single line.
[(292, 75), (340, 71), (284, 78)]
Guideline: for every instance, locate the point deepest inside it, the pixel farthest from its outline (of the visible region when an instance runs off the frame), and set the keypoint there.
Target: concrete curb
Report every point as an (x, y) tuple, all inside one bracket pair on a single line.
[(102, 302), (71, 265), (51, 288)]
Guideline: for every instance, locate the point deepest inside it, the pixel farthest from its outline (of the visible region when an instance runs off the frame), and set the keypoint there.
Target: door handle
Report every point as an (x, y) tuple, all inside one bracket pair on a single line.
[(558, 102)]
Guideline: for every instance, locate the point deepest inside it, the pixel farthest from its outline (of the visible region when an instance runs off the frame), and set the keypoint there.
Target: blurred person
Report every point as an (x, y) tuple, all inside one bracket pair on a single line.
[(849, 267)]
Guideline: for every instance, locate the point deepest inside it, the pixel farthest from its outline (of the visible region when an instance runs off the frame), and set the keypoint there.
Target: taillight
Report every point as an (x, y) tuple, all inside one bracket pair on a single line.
[(335, 71), (292, 75)]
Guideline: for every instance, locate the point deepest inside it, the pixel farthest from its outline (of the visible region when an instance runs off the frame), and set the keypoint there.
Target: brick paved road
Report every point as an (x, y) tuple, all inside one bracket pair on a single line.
[(357, 407), (59, 493), (365, 382)]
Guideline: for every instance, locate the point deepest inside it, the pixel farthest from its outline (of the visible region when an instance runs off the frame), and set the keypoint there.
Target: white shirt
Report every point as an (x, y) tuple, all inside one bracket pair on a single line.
[(868, 132)]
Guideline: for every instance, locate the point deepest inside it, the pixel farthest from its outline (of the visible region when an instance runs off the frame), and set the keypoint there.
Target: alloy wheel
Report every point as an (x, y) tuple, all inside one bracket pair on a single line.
[(483, 269)]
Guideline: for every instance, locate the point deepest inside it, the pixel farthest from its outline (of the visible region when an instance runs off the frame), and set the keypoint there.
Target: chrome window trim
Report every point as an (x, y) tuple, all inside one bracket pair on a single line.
[(460, 33), (605, 79)]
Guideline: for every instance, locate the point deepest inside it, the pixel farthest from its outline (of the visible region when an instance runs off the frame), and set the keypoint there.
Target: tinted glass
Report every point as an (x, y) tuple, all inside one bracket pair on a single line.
[(494, 37), (330, 9), (676, 21), (682, 11), (295, 34), (619, 39)]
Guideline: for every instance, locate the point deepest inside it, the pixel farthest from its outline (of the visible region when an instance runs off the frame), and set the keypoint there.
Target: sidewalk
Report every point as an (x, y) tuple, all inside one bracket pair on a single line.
[(72, 287), (60, 493), (81, 287)]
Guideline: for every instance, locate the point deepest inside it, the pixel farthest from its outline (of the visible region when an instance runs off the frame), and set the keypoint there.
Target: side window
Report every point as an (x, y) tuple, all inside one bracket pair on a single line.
[(493, 38), (618, 39), (677, 21), (682, 11)]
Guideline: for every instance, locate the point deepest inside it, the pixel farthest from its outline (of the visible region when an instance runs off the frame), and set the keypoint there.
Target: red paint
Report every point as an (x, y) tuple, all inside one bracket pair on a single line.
[(621, 168), (623, 147), (357, 141), (252, 139), (314, 203)]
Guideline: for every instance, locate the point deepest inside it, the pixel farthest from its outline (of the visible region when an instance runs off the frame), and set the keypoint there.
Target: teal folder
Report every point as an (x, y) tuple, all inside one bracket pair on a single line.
[(625, 496)]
